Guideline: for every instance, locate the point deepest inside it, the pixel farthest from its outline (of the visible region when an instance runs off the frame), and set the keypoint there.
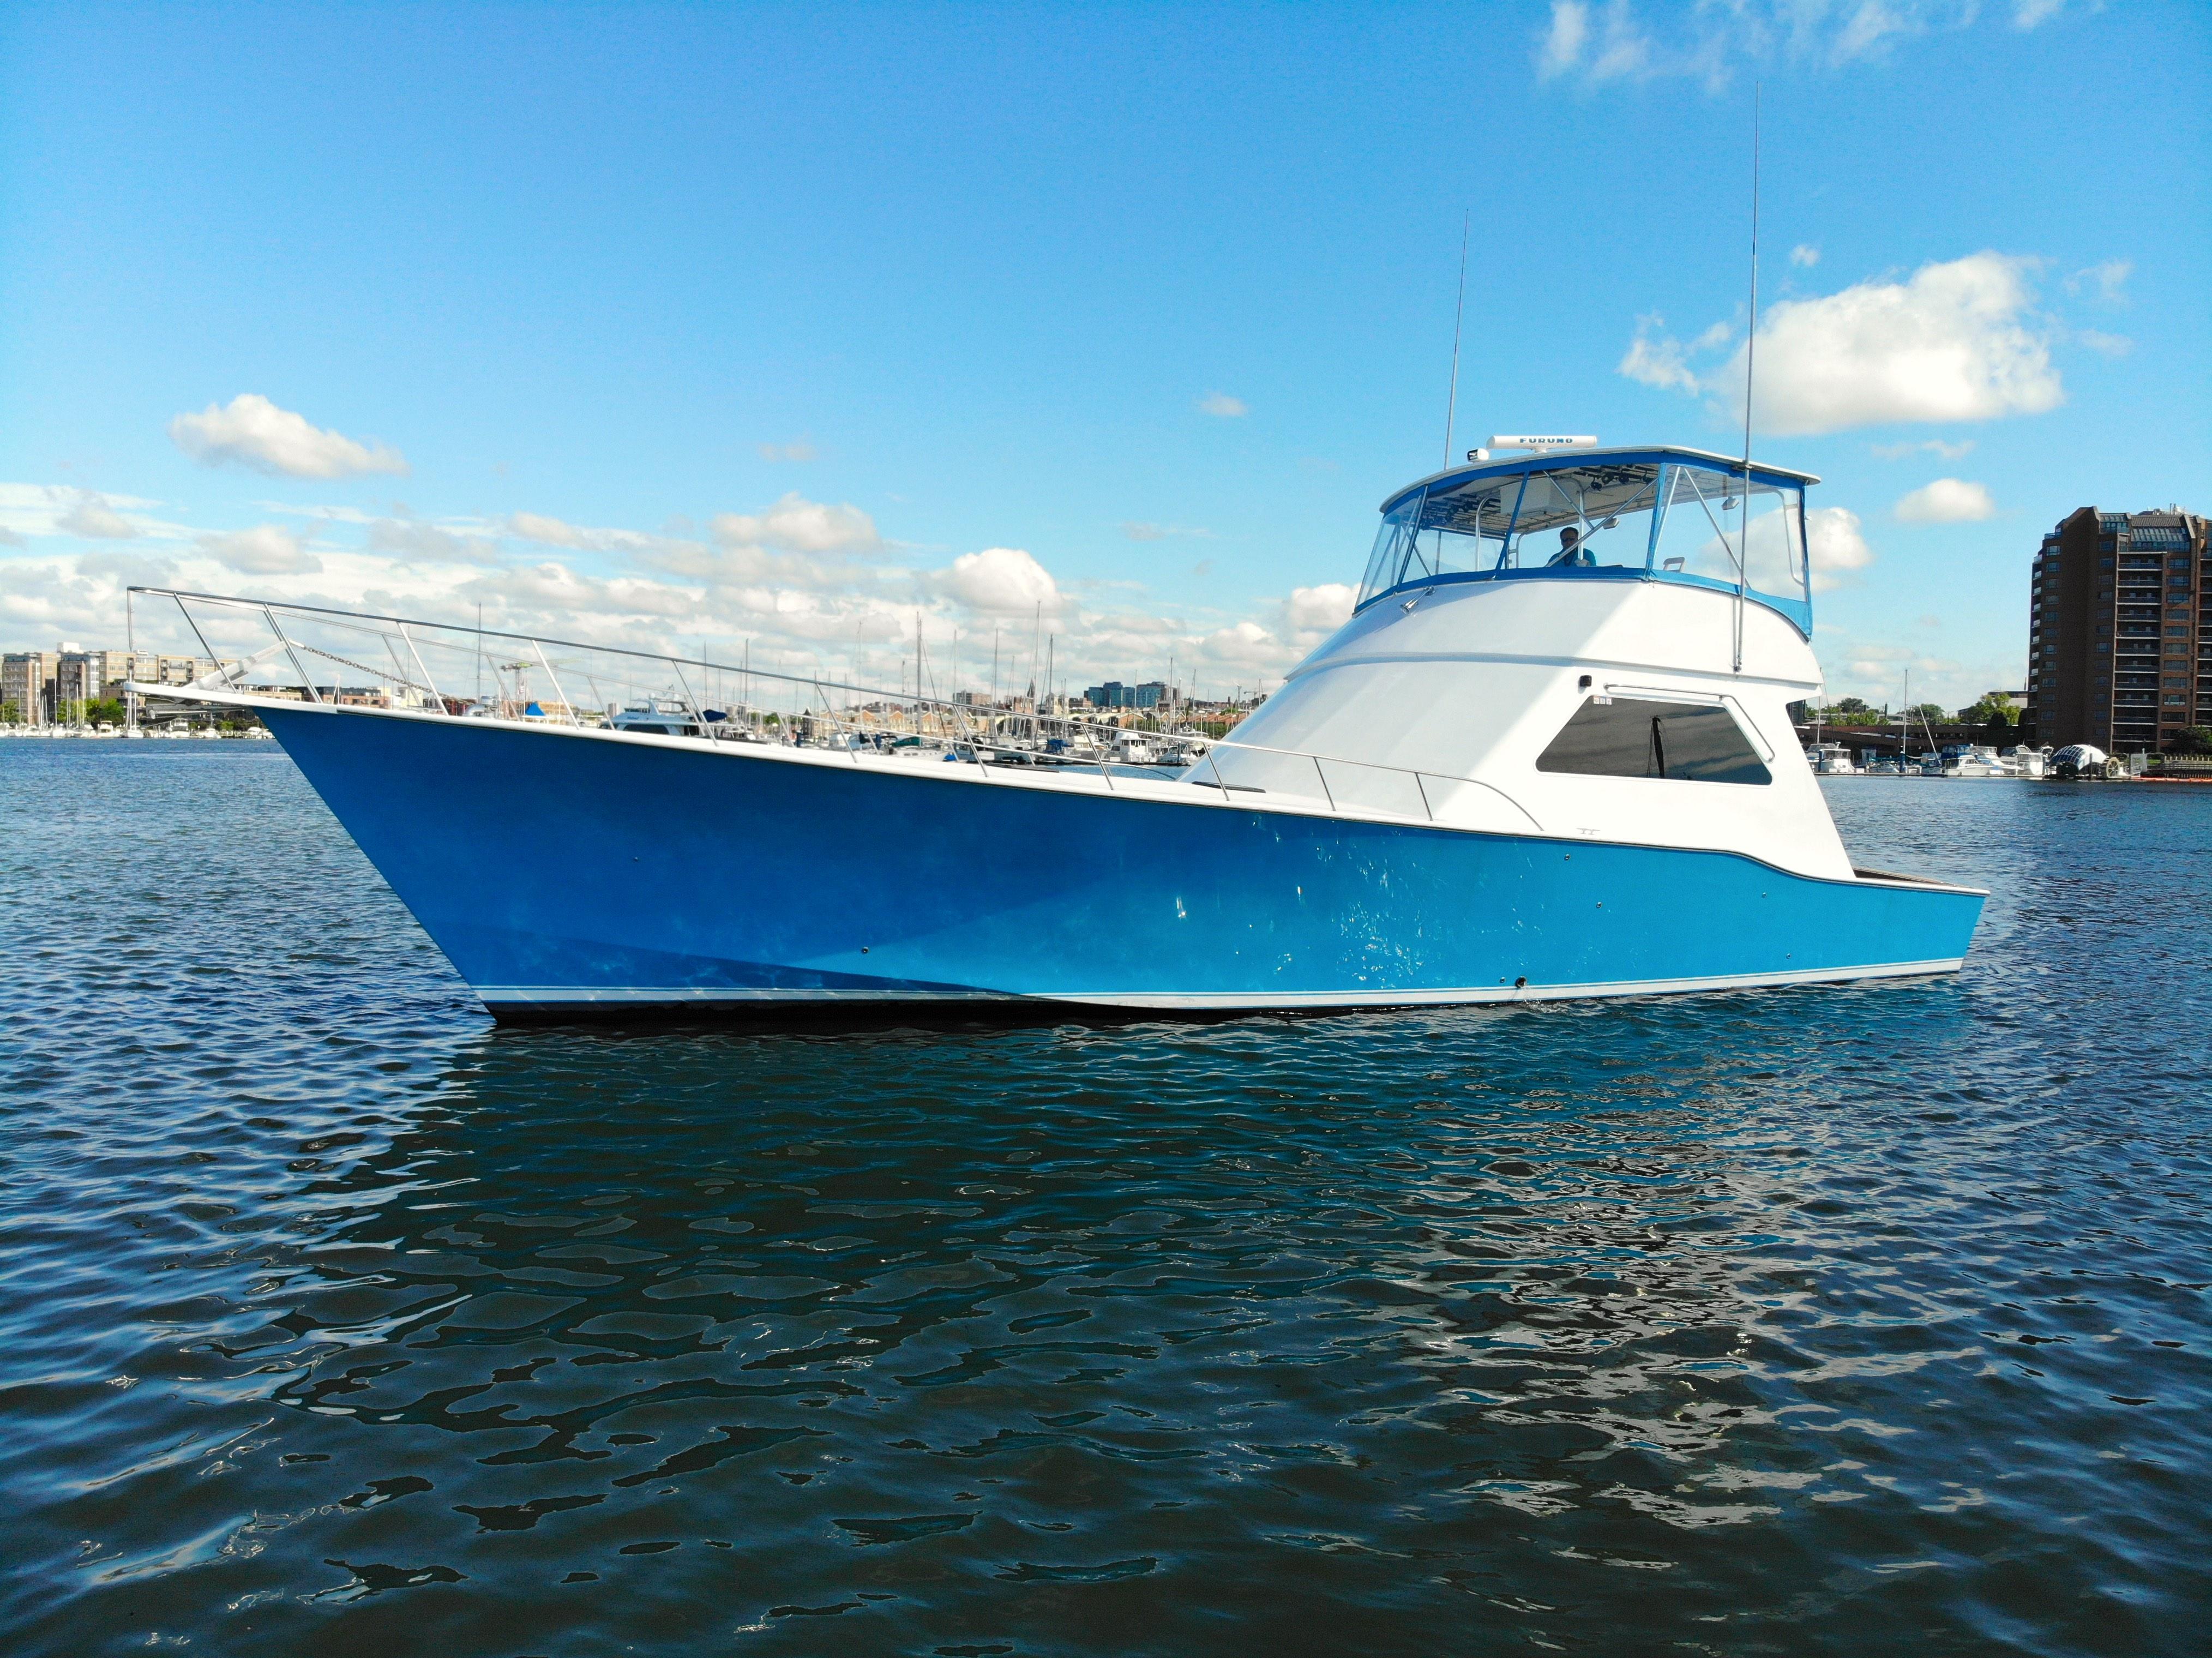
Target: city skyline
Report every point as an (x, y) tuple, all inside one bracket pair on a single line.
[(790, 329)]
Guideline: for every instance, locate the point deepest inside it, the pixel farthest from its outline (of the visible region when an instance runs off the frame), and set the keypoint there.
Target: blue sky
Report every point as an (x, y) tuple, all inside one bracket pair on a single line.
[(719, 323)]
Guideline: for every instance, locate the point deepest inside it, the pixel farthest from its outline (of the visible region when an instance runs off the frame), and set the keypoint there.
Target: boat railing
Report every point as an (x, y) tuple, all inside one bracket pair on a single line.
[(1240, 770), (321, 655)]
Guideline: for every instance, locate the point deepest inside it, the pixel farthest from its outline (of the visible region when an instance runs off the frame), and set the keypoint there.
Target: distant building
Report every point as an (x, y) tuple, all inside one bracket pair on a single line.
[(2120, 631), (26, 684), (182, 669), (95, 676), (45, 687), (1114, 694)]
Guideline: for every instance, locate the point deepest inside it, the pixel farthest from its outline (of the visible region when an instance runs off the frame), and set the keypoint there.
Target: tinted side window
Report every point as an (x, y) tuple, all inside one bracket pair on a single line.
[(1694, 741)]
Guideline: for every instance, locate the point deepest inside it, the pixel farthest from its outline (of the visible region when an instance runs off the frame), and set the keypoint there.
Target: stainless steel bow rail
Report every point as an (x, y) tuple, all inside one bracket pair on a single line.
[(441, 668), (817, 710)]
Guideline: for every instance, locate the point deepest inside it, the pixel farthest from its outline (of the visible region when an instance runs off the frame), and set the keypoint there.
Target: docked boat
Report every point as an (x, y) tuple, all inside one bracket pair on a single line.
[(1977, 759), (663, 717), (1830, 760), (1549, 755)]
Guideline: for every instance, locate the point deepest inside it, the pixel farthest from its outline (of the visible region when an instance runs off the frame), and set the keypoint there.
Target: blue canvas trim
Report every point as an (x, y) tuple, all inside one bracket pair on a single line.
[(1563, 461)]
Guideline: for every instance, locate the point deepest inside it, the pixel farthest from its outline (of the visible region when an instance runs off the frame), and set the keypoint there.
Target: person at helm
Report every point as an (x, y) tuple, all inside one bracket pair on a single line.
[(1571, 551)]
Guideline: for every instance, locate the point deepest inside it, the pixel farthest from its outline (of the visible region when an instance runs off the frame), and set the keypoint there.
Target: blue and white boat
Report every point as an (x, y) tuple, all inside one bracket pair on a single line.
[(1549, 755)]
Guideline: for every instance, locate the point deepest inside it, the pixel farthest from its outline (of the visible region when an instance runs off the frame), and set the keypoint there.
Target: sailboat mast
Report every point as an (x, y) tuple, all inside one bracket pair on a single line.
[(1750, 353), (1458, 315)]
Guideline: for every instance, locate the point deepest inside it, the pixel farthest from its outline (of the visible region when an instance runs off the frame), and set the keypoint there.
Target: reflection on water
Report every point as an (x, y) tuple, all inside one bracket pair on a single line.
[(1823, 1319)]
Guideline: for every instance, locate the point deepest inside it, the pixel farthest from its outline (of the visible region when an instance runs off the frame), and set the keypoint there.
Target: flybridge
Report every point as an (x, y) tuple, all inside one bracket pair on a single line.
[(1660, 514)]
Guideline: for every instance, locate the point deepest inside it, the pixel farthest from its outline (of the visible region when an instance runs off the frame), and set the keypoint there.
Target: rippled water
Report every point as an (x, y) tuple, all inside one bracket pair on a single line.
[(336, 1321)]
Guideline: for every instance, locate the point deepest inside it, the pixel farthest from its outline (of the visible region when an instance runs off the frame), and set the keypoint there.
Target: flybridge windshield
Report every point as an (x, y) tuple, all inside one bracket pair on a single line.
[(1660, 515)]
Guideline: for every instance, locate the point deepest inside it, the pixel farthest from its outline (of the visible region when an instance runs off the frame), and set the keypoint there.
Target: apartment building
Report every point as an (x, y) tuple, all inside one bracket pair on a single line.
[(2120, 631), (26, 684), (91, 676), (45, 688)]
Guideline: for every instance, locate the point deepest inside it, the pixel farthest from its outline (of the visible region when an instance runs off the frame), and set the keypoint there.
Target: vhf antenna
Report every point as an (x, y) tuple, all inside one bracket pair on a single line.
[(1750, 350), (1451, 402)]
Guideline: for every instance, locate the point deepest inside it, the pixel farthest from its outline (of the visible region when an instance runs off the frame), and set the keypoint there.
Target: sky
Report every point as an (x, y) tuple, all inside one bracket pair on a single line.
[(797, 330)]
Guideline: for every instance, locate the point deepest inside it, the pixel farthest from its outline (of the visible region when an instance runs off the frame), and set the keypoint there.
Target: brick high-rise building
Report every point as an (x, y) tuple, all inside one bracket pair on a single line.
[(2120, 630)]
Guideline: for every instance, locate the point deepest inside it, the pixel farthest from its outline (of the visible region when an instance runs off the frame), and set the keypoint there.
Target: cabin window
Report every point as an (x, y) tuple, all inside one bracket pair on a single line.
[(1692, 741)]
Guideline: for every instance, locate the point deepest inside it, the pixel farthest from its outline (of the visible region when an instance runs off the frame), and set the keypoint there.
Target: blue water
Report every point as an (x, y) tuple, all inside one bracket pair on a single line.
[(336, 1321)]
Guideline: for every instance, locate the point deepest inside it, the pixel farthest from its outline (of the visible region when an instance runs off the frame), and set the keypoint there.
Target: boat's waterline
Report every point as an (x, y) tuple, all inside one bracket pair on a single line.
[(624, 875), (586, 998)]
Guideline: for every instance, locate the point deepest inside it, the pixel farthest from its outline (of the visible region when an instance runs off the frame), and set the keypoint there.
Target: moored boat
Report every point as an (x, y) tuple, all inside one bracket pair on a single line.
[(1549, 755)]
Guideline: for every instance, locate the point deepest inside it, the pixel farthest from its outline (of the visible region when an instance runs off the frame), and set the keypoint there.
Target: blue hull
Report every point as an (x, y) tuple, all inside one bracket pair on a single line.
[(565, 873)]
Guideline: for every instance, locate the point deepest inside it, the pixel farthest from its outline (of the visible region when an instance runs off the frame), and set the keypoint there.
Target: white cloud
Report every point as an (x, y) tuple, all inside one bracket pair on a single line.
[(1618, 50), (91, 516), (554, 532), (1869, 27), (1001, 580), (73, 596), (2109, 278), (796, 449), (328, 515), (254, 432), (547, 532), (1319, 610), (1247, 647), (1249, 651), (1804, 256), (1952, 343), (1561, 48), (1947, 501), (1838, 551), (850, 610), (1708, 42), (265, 550), (2033, 14), (1876, 671), (799, 525), (1663, 362), (2110, 345), (1137, 531), (413, 539), (1222, 404), (523, 592), (1936, 447), (1625, 52), (56, 509)]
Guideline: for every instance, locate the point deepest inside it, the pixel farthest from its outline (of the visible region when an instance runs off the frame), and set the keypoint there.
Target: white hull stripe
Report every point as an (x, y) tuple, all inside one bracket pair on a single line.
[(525, 996)]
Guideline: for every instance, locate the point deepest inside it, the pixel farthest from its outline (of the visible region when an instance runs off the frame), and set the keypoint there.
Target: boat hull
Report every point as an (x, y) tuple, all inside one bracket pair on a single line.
[(566, 874)]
